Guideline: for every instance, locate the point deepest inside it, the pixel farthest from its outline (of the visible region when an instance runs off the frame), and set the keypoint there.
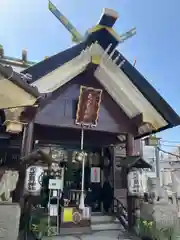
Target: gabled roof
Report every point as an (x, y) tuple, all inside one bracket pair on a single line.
[(50, 64), (133, 162), (14, 89), (129, 89), (149, 92)]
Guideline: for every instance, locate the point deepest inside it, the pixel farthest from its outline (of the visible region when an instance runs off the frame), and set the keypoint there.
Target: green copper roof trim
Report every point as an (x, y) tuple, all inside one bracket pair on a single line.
[(16, 61)]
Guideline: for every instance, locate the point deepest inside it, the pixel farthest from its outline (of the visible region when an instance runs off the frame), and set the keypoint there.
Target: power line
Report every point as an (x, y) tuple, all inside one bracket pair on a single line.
[(169, 153), (169, 141), (167, 145)]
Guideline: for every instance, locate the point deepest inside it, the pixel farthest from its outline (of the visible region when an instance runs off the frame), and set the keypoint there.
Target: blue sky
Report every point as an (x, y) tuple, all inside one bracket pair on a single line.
[(29, 25)]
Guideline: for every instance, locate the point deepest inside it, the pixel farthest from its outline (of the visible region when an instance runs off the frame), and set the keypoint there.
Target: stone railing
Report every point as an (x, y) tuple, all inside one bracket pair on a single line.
[(159, 220), (9, 212), (9, 220)]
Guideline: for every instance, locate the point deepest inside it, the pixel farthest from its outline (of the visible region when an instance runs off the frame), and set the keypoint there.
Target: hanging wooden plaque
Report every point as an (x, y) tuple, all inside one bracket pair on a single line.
[(88, 106)]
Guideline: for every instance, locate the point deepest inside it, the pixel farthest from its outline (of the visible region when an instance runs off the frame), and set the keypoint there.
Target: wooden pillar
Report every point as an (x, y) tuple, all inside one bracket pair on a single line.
[(112, 165), (113, 159), (129, 145), (130, 200), (26, 147), (27, 141)]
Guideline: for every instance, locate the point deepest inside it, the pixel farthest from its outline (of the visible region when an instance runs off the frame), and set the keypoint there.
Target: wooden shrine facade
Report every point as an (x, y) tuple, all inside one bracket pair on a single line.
[(130, 107)]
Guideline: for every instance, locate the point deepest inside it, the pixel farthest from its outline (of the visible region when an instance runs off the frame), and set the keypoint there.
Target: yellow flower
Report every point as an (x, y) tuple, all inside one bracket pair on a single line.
[(34, 227), (150, 224)]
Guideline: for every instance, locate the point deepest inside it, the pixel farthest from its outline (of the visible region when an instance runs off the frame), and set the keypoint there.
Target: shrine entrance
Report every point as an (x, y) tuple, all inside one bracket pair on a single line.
[(92, 180), (69, 158)]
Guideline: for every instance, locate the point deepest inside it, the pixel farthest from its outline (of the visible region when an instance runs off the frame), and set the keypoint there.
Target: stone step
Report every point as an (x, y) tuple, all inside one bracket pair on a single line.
[(103, 235), (96, 213), (101, 222), (101, 218), (104, 226)]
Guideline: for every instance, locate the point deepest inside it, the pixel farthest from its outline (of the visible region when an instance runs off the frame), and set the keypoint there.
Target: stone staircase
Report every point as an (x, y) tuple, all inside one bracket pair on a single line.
[(103, 227), (101, 222)]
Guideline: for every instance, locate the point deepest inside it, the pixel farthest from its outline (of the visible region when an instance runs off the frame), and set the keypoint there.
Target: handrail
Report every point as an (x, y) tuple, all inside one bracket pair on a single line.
[(120, 212)]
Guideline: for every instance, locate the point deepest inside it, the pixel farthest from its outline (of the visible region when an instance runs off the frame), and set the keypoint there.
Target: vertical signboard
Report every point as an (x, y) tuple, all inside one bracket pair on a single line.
[(134, 182), (88, 106), (95, 175)]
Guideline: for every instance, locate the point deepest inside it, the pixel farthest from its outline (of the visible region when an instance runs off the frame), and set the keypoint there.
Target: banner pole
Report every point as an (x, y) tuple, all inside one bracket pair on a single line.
[(82, 138), (82, 205)]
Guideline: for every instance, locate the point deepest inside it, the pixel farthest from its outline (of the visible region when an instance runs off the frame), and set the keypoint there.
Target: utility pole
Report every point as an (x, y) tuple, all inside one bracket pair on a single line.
[(157, 158)]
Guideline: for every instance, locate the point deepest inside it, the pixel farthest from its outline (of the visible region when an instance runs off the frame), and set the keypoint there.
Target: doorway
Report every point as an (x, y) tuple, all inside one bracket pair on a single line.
[(94, 192), (98, 181), (92, 180), (97, 169)]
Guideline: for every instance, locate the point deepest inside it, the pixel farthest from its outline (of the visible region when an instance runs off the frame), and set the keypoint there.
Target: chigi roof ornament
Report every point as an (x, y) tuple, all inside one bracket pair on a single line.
[(107, 21)]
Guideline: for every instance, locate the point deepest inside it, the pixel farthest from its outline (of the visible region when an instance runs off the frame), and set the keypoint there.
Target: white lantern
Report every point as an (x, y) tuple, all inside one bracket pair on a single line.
[(33, 180)]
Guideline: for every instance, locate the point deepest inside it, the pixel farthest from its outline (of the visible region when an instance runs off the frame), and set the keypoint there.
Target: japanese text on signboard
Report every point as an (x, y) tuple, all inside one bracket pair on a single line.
[(88, 106)]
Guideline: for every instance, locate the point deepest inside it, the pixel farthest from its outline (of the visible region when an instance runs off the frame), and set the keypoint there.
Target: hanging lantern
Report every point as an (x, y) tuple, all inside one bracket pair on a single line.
[(12, 122), (78, 156), (151, 141), (13, 127), (59, 155), (24, 55), (33, 182)]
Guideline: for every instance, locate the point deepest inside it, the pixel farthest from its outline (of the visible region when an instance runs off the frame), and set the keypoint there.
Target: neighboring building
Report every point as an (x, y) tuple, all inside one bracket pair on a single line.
[(172, 156), (16, 68), (18, 64), (170, 168)]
